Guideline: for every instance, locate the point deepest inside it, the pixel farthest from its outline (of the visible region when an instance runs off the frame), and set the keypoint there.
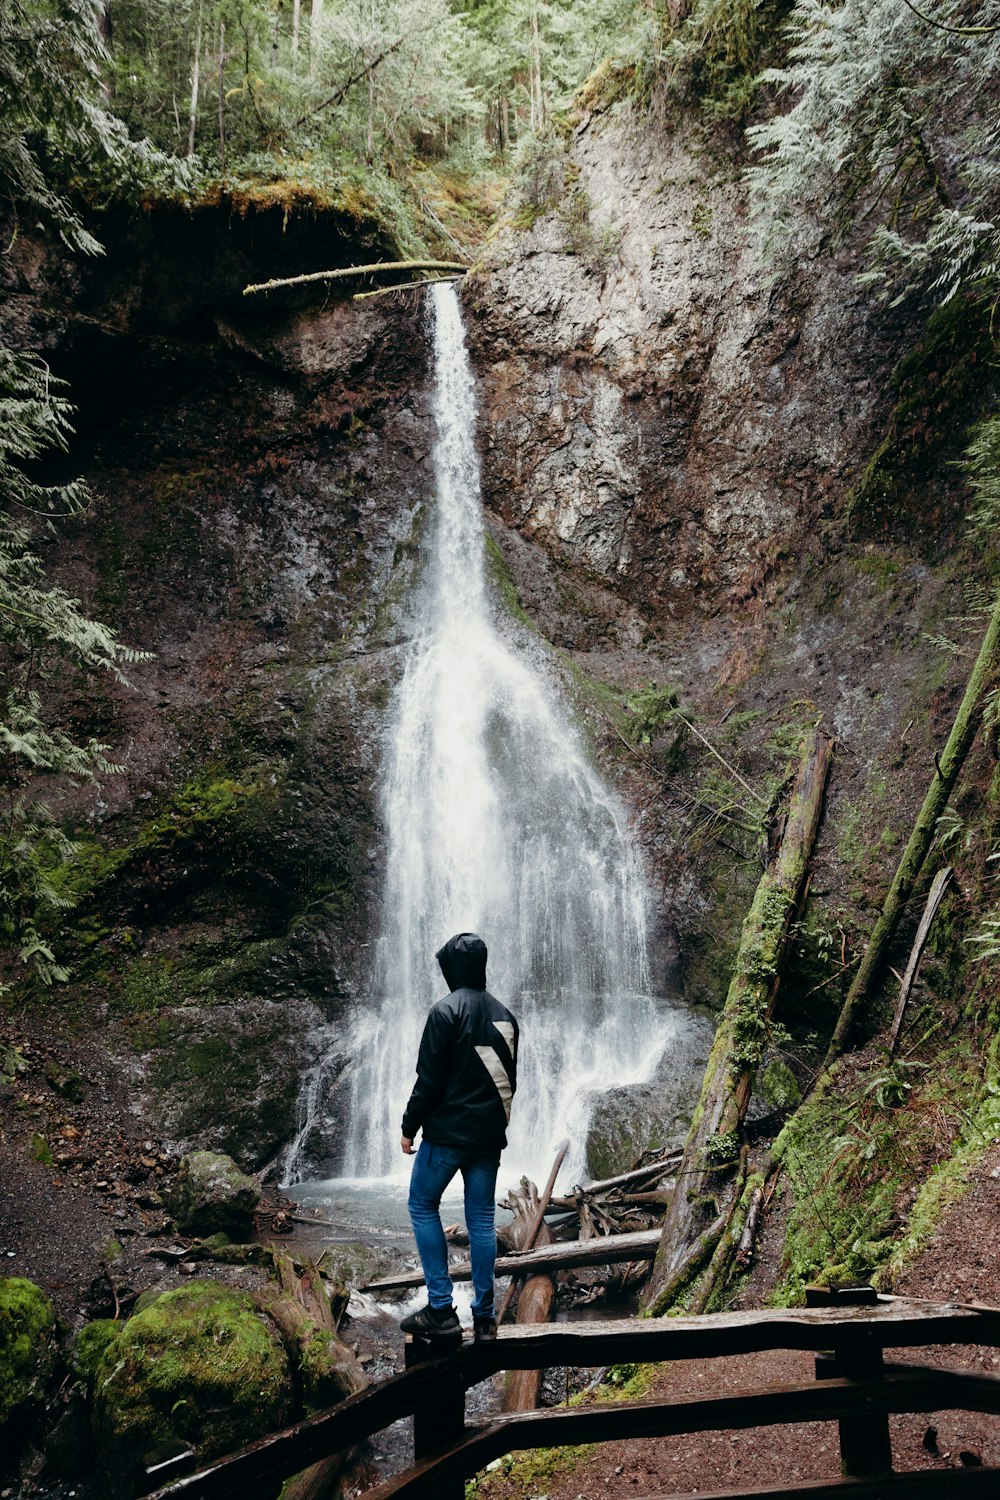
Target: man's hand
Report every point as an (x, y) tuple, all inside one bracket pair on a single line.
[(407, 1146)]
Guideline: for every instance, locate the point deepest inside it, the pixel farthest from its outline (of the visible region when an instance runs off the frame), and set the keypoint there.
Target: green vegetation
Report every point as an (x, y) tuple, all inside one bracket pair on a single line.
[(503, 578), (716, 50), (197, 1364), (874, 1158), (939, 385), (28, 1351)]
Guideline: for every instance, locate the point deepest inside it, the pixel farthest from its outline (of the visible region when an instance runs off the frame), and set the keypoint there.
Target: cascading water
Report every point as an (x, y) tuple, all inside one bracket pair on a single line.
[(496, 823)]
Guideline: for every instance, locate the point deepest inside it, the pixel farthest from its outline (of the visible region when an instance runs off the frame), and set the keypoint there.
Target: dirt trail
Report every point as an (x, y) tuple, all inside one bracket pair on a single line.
[(961, 1263)]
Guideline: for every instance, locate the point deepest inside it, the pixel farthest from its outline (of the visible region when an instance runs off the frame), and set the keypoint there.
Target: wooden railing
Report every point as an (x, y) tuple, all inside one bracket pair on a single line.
[(855, 1387)]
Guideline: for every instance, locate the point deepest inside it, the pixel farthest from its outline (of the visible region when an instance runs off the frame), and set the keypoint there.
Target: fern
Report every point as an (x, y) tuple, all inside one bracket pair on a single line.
[(871, 85)]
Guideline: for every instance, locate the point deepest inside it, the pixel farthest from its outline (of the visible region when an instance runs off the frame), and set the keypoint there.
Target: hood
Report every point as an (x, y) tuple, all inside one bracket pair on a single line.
[(463, 961)]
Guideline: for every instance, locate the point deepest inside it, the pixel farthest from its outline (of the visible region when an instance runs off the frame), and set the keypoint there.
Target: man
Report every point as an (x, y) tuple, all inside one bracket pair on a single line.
[(466, 1077)]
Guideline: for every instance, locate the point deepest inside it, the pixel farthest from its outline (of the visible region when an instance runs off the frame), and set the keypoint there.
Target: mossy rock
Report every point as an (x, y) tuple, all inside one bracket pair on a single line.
[(328, 1370), (352, 1265), (198, 1366), (28, 1351), (211, 1195), (90, 1346)]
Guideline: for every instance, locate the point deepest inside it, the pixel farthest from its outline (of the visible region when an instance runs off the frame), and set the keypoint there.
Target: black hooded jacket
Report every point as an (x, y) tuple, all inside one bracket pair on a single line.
[(467, 1063)]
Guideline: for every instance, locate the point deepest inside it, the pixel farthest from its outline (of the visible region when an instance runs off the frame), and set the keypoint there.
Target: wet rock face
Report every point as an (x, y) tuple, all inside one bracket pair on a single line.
[(632, 1119), (258, 473), (650, 405)]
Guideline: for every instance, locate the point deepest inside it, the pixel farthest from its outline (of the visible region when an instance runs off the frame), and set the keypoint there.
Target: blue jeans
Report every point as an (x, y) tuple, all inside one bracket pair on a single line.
[(433, 1169)]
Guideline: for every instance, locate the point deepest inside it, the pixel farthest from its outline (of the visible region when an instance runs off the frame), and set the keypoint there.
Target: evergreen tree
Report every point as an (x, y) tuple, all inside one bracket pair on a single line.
[(53, 113), (894, 115)]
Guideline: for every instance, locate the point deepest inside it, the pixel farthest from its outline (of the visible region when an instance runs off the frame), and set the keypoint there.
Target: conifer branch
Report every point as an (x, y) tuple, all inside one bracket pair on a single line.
[(384, 265), (954, 30)]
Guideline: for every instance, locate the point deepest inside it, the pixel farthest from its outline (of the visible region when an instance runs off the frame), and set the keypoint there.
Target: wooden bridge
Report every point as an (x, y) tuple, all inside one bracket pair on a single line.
[(855, 1387)]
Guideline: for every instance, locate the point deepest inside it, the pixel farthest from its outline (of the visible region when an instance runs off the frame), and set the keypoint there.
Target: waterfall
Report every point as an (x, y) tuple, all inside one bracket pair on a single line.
[(496, 822)]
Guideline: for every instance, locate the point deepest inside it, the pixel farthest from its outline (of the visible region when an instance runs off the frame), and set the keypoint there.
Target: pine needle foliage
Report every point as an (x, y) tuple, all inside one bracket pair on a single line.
[(892, 119), (51, 117), (715, 54)]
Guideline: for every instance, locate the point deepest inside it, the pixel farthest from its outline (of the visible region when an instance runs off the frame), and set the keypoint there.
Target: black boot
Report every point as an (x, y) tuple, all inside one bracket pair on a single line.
[(433, 1323), (484, 1330)]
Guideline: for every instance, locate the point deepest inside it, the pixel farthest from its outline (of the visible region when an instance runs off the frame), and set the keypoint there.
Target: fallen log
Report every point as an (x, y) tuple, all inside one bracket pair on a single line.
[(606, 1250), (712, 1147), (650, 1172), (946, 768), (536, 1295), (934, 899), (533, 1232), (301, 1310), (343, 271), (744, 1250)]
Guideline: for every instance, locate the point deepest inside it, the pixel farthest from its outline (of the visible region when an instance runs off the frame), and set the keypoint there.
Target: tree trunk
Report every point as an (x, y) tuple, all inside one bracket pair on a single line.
[(301, 1309), (315, 21), (946, 769), (195, 79), (222, 97), (537, 101), (296, 22), (534, 1303), (934, 899), (711, 1148)]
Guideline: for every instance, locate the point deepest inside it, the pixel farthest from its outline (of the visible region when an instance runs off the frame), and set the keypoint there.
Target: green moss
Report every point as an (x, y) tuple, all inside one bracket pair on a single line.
[(939, 388), (27, 1345), (777, 1085), (503, 578), (198, 1365), (66, 1082), (885, 570), (90, 1346), (40, 1150), (857, 1145), (595, 695)]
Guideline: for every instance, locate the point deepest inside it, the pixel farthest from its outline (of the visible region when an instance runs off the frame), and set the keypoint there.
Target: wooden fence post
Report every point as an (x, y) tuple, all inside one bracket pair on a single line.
[(865, 1449), (441, 1421)]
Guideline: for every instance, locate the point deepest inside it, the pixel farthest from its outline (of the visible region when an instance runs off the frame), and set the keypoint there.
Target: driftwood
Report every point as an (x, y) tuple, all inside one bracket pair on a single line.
[(748, 1235), (402, 286), (343, 271), (946, 768), (605, 1250), (536, 1296), (711, 1150), (532, 1235), (934, 899), (303, 1313)]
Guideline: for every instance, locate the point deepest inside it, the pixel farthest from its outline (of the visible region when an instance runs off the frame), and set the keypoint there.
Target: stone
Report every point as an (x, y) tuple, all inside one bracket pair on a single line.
[(199, 1367), (90, 1346), (28, 1350), (211, 1195), (633, 1118)]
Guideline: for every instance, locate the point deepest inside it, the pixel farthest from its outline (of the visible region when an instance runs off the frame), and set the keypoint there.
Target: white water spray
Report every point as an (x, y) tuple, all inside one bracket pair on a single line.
[(496, 823)]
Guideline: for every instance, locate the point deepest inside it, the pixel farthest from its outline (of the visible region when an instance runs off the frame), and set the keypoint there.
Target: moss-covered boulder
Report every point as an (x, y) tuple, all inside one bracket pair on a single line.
[(90, 1346), (198, 1366), (633, 1118), (211, 1194), (28, 1350)]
